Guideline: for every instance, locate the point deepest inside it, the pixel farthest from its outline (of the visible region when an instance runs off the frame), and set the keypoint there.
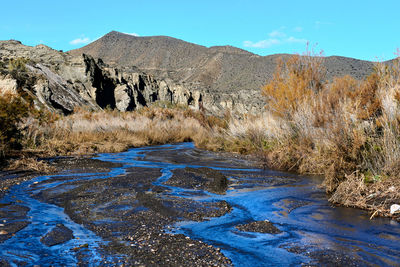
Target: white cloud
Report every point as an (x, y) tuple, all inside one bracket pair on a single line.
[(278, 37), (298, 29), (133, 34), (262, 44), (318, 24), (292, 39), (81, 40), (277, 34)]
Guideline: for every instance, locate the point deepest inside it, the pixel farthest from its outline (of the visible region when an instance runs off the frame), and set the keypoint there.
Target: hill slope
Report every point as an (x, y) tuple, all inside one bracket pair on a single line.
[(220, 68)]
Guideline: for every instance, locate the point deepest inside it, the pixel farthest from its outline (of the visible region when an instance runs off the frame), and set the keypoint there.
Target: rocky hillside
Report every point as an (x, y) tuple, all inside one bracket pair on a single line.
[(62, 82), (223, 70), (126, 72)]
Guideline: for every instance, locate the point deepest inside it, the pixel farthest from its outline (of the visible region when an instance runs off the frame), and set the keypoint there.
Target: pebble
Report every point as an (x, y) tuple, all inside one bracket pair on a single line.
[(2, 232), (394, 208)]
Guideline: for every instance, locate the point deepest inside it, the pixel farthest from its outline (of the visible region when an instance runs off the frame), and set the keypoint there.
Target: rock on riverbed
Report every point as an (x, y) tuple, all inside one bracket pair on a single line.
[(58, 235)]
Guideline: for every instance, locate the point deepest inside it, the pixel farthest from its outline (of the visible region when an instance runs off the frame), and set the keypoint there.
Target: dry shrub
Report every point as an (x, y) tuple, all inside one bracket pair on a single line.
[(294, 80), (251, 134), (30, 164), (13, 110), (108, 131), (347, 130), (375, 196)]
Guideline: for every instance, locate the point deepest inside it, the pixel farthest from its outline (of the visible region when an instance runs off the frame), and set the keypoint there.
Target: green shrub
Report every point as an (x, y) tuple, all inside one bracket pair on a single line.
[(13, 109), (17, 65)]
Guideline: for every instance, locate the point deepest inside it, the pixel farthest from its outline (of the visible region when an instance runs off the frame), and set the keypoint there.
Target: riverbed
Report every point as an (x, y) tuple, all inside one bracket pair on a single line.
[(175, 205)]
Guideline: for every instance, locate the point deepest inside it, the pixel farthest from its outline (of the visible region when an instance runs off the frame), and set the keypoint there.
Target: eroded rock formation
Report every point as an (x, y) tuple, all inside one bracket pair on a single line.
[(62, 82)]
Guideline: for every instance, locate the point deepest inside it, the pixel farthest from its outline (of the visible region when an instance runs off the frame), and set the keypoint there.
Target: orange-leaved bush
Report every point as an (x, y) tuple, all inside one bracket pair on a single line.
[(294, 80)]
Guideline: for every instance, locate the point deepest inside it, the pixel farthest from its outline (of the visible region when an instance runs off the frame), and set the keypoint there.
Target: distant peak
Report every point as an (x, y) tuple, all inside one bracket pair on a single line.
[(229, 49), (113, 33), (117, 33), (12, 41)]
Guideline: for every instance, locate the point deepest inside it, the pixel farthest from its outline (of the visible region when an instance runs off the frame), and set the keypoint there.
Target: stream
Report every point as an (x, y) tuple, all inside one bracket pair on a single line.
[(162, 191)]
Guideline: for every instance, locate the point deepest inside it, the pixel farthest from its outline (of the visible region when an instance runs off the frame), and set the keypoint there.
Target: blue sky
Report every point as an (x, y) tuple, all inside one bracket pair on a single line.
[(366, 29)]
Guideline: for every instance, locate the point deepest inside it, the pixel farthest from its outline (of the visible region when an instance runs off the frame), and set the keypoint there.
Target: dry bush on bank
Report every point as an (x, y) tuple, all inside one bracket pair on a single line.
[(30, 164), (110, 131), (83, 132), (294, 80), (346, 130), (13, 110)]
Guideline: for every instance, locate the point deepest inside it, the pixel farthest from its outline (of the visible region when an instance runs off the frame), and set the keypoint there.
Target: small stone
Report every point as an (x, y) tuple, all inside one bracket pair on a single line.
[(394, 208), (2, 232), (58, 235)]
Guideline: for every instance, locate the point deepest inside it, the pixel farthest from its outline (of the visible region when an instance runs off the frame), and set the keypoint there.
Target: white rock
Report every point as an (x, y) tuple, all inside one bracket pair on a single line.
[(8, 85), (394, 208)]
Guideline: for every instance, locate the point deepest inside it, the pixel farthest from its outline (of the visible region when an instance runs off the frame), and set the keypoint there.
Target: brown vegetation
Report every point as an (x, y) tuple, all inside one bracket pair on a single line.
[(84, 132), (346, 130), (111, 131), (13, 109)]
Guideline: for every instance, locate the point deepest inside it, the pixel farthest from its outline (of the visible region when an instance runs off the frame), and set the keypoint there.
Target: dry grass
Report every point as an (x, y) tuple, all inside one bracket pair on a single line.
[(376, 197), (346, 130), (109, 131), (44, 134), (31, 164)]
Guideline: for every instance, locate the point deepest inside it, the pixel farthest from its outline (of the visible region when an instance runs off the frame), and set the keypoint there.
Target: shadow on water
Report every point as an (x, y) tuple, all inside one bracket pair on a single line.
[(311, 230)]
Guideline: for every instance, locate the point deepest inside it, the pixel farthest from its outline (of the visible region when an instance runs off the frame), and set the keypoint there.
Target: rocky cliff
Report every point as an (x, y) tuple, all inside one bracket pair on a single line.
[(227, 76), (61, 82), (138, 71)]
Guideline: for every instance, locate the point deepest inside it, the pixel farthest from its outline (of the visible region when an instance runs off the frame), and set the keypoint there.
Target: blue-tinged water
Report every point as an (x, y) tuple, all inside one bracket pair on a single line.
[(294, 204)]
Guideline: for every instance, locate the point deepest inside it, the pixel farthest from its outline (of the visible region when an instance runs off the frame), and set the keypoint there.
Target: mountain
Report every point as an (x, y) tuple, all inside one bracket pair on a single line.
[(126, 72), (227, 72), (218, 66)]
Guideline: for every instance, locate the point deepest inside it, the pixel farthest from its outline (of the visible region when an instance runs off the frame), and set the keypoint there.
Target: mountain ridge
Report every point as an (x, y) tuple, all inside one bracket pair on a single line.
[(218, 68), (127, 72)]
